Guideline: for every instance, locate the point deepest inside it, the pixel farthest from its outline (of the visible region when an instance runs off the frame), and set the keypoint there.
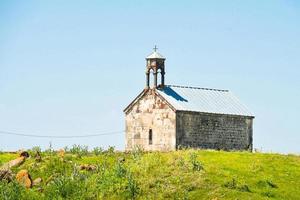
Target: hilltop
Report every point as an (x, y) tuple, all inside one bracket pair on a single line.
[(183, 174)]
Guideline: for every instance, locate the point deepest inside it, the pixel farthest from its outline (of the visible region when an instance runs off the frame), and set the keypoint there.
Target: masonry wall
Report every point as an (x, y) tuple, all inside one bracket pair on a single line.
[(213, 131), (150, 112)]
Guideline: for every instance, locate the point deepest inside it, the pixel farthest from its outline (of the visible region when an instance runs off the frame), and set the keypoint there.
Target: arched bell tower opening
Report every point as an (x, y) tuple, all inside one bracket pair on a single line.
[(155, 64)]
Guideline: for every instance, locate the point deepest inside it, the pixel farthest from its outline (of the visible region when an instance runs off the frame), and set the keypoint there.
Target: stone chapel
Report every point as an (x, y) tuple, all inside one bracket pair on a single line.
[(167, 117)]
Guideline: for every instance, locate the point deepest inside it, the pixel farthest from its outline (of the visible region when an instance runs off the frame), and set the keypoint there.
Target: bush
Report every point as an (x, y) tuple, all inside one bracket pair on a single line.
[(98, 151), (266, 184), (244, 188), (54, 166), (63, 186), (50, 149), (66, 148), (68, 186), (79, 150), (196, 165), (132, 187), (120, 170), (137, 152), (10, 190), (35, 149), (233, 184), (268, 194), (110, 150)]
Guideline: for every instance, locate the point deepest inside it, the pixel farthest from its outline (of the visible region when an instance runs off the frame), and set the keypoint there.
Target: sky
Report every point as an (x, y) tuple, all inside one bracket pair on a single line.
[(71, 67)]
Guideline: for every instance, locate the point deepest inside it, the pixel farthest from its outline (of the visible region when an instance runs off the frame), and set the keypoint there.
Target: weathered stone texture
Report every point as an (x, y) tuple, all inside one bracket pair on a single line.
[(213, 131), (165, 117), (172, 129), (151, 112)]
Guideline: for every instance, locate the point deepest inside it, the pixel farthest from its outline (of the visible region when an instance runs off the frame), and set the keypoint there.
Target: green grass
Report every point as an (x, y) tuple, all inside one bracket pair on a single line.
[(184, 174)]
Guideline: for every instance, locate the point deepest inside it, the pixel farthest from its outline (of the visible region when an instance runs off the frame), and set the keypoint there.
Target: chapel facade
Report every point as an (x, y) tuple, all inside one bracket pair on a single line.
[(167, 117)]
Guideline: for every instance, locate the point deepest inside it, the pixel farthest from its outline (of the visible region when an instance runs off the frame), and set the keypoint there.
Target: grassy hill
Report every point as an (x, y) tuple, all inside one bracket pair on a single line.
[(184, 174)]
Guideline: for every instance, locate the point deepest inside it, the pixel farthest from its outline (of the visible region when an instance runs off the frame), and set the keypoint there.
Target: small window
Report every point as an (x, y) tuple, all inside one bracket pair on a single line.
[(150, 136)]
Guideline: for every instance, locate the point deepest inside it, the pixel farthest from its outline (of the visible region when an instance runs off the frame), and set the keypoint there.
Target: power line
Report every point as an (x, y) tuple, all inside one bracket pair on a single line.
[(60, 136)]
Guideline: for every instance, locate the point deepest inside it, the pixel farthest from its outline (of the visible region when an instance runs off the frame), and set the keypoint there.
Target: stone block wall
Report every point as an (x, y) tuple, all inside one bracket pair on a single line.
[(213, 131), (150, 112)]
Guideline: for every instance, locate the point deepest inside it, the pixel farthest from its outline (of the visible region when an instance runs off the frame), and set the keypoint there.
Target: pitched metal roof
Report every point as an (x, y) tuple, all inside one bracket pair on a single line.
[(155, 54), (203, 100)]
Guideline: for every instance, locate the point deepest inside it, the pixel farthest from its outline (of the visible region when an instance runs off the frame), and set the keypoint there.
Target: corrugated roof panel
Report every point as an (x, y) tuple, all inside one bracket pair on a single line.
[(204, 100)]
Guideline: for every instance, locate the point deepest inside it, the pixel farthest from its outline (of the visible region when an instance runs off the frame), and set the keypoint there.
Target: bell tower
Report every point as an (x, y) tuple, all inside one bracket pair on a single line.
[(155, 64)]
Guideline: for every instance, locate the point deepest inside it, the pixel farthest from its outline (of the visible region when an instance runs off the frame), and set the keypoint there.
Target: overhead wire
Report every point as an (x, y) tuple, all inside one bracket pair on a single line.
[(60, 136)]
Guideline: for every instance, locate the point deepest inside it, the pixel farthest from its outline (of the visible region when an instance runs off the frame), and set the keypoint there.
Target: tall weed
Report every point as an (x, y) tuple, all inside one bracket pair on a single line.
[(196, 165), (79, 150)]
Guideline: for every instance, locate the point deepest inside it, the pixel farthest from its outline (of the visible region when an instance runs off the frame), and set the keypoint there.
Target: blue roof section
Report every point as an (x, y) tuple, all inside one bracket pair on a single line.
[(204, 100)]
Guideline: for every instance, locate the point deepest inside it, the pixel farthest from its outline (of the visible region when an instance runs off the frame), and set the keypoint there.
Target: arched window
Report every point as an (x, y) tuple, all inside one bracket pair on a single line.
[(150, 136), (159, 77), (151, 78)]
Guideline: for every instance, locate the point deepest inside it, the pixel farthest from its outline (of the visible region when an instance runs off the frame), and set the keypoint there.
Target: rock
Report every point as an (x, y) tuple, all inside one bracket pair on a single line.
[(40, 189), (121, 160), (24, 178), (87, 167), (61, 153), (16, 162), (82, 167), (6, 175), (37, 181), (24, 154), (13, 163)]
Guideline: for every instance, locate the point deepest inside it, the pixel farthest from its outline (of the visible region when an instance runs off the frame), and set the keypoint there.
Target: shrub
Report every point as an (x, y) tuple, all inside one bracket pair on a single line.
[(63, 186), (269, 194), (232, 184), (55, 166), (266, 183), (181, 162), (132, 187), (244, 188), (120, 170), (137, 152), (10, 190), (271, 184), (50, 149), (196, 165), (180, 147), (66, 148), (79, 150), (36, 149), (108, 183), (67, 186), (110, 150), (97, 151)]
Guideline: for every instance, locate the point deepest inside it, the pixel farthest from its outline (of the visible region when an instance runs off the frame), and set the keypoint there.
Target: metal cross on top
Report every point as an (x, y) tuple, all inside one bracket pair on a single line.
[(155, 48)]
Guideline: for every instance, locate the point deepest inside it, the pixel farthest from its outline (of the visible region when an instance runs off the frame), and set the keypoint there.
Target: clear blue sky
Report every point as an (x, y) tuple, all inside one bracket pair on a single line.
[(70, 67)]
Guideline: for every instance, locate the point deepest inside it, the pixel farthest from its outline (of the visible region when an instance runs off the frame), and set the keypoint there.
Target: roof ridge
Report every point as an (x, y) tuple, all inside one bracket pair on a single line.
[(199, 88), (155, 54)]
